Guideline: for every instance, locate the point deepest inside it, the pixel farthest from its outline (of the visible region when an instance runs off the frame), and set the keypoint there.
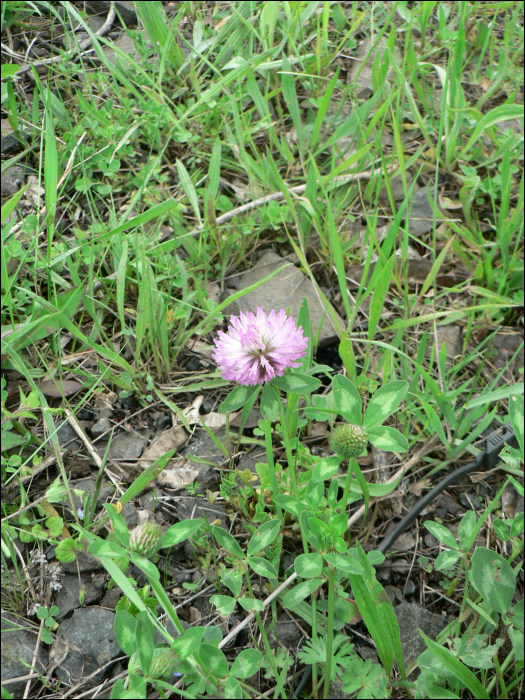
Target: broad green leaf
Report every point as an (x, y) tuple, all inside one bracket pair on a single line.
[(299, 593), (493, 578), (213, 659), (441, 533), (251, 604), (144, 633), (224, 604), (246, 663), (295, 383), (263, 536), (262, 567), (446, 559), (106, 548), (227, 541), (119, 525), (308, 565), (236, 399), (378, 613), (495, 116), (326, 468), (454, 665), (344, 563), (232, 687), (386, 438), (270, 404), (384, 402), (291, 504), (180, 531), (516, 637), (188, 642), (347, 399)]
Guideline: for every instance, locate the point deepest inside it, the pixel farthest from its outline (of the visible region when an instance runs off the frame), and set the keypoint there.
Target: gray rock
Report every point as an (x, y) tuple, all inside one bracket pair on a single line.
[(502, 349), (100, 427), (368, 653), (18, 646), (66, 437), (128, 46), (288, 633), (94, 23), (130, 515), (449, 504), (104, 413), (421, 214), (150, 499), (12, 180), (430, 541), (67, 598), (395, 594), (336, 691), (9, 145), (92, 644), (111, 598), (410, 588), (188, 507), (88, 485), (124, 8), (363, 81), (411, 618), (127, 446), (286, 289), (84, 562), (176, 573), (451, 335)]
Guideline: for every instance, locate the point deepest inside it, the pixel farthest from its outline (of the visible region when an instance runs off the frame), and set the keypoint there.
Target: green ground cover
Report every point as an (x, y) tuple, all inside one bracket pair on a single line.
[(379, 148)]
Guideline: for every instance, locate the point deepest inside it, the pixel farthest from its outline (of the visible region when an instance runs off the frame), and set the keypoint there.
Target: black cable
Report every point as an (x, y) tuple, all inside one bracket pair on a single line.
[(486, 460)]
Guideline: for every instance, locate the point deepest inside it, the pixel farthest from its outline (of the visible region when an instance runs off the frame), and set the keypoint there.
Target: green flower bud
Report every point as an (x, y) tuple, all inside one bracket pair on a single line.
[(144, 539), (163, 663), (348, 440)]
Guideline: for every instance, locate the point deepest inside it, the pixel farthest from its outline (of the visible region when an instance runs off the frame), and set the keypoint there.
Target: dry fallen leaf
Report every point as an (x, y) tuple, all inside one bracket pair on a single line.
[(171, 439), (418, 487), (178, 476)]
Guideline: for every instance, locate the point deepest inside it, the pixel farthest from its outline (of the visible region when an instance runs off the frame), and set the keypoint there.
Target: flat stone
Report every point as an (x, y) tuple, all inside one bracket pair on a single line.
[(12, 180), (363, 81), (9, 145), (67, 598), (92, 644), (124, 8), (449, 504), (66, 437), (421, 214), (100, 427), (285, 290), (288, 633), (452, 336), (18, 646), (111, 598), (88, 485), (127, 446), (504, 345), (84, 562), (411, 618), (336, 691)]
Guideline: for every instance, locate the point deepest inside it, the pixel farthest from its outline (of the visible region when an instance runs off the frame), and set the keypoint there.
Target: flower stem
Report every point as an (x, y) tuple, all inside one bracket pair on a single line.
[(271, 465), (314, 637), (329, 631), (344, 499), (289, 456)]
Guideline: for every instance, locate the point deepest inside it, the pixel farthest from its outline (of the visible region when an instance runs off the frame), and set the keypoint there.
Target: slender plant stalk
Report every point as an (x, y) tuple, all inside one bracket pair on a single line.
[(314, 637), (289, 456), (329, 631), (271, 465)]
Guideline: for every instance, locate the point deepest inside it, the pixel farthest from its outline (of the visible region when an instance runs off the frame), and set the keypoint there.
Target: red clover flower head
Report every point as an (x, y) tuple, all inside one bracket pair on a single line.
[(259, 347)]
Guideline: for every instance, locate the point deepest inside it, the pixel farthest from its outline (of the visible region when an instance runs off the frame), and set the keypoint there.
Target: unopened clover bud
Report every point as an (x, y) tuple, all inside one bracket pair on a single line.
[(348, 440), (145, 538), (163, 663)]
